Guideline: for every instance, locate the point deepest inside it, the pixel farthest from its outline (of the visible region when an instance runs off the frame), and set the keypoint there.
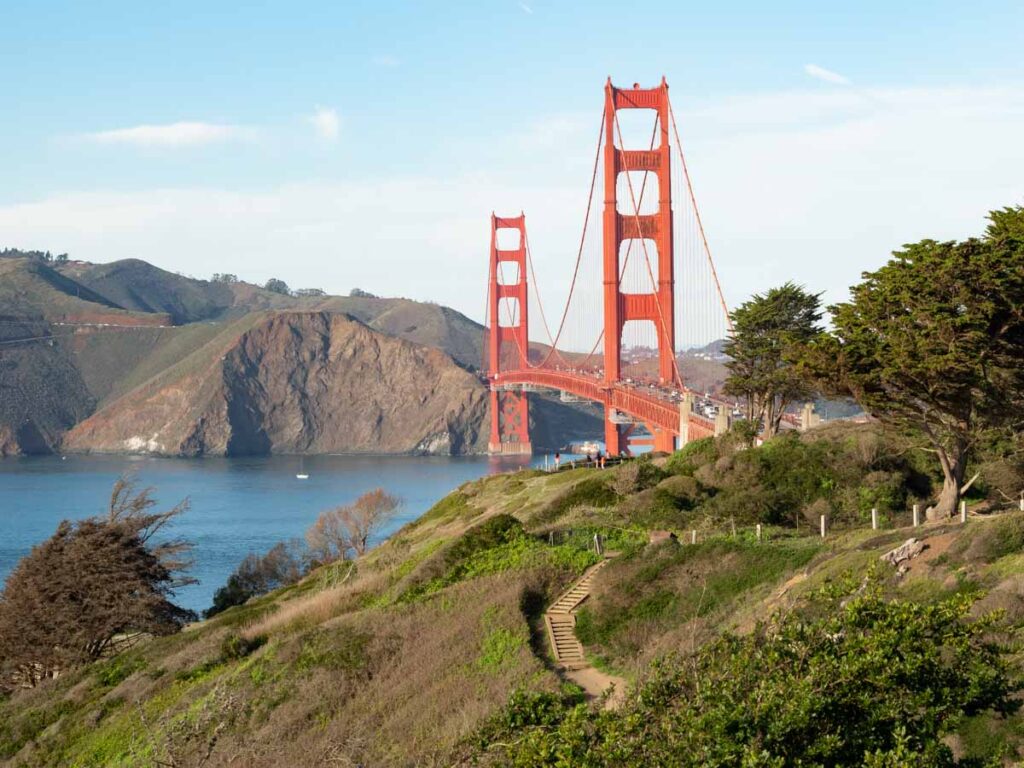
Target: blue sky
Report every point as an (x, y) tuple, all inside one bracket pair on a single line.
[(344, 144)]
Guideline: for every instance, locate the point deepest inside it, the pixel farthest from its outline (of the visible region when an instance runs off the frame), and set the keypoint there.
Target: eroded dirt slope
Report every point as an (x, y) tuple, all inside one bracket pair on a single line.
[(297, 382)]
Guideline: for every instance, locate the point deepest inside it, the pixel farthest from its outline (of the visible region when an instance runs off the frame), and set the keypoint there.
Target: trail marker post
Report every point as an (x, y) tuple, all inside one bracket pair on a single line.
[(917, 515), (823, 526), (963, 511), (874, 519)]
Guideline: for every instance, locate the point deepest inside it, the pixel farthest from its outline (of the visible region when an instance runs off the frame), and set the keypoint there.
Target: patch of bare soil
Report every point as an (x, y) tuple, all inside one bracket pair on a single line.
[(596, 683), (935, 547)]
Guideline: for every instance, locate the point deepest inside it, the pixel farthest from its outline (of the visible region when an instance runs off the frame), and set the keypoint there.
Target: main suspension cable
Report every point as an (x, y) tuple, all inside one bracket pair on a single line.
[(579, 256), (696, 212)]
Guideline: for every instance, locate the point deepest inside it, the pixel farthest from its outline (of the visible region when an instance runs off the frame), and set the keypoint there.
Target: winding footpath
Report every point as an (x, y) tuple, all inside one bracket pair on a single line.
[(560, 619)]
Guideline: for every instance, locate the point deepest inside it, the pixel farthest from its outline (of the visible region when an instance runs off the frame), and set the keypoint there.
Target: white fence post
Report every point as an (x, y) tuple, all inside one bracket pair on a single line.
[(759, 532), (963, 511), (917, 515), (874, 519), (693, 537), (823, 525)]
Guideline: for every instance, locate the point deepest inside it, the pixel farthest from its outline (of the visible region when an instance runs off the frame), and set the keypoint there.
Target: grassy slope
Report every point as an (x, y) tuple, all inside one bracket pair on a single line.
[(137, 285), (397, 661), (31, 289)]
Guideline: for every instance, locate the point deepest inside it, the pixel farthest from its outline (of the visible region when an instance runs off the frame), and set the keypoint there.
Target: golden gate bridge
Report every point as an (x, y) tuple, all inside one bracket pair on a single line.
[(629, 363)]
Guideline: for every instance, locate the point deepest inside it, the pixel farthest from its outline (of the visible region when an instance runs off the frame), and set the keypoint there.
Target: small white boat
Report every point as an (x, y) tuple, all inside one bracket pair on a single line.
[(302, 474)]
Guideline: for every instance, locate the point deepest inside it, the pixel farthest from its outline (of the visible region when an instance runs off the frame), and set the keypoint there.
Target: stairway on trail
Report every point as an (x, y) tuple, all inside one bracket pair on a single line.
[(560, 619)]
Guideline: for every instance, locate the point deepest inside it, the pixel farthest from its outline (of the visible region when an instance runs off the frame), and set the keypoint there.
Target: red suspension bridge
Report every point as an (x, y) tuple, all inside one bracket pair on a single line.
[(629, 364)]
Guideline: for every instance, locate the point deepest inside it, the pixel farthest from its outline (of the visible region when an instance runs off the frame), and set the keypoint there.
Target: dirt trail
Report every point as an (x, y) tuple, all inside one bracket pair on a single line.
[(595, 683)]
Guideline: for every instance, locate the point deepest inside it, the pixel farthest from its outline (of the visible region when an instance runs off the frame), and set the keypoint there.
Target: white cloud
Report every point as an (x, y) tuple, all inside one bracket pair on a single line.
[(386, 60), (326, 123), (526, 8), (181, 134), (827, 75)]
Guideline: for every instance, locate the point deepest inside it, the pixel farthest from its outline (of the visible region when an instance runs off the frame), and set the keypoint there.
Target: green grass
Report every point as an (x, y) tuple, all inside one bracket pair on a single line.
[(451, 507), (341, 648), (111, 673), (678, 583), (592, 491), (499, 648), (16, 733)]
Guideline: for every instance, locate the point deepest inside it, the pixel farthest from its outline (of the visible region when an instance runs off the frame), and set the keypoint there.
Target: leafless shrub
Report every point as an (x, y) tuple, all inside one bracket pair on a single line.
[(345, 531)]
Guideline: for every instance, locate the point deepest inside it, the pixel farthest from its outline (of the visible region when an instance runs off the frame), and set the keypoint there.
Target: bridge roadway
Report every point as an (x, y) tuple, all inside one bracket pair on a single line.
[(656, 409)]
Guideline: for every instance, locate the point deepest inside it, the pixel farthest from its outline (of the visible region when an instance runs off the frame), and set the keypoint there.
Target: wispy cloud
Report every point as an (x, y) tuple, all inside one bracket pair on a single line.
[(777, 176), (526, 8), (826, 75), (182, 134), (386, 60), (326, 123)]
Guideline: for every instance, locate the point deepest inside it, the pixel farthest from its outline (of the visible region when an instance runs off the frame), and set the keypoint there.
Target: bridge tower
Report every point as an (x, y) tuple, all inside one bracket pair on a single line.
[(653, 233), (508, 340)]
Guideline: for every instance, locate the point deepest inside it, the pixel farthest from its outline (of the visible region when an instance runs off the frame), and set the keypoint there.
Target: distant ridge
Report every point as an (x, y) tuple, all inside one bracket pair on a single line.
[(79, 337)]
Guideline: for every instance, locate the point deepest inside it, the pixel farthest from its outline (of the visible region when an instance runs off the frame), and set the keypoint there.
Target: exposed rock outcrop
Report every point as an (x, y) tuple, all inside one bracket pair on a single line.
[(297, 382), (900, 557)]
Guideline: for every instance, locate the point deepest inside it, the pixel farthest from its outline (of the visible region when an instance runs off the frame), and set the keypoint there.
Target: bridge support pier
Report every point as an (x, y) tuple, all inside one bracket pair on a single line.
[(615, 438), (510, 424), (664, 441)]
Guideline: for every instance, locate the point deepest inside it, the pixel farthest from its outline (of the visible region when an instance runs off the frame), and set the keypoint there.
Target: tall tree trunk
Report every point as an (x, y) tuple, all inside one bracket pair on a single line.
[(770, 418), (954, 463)]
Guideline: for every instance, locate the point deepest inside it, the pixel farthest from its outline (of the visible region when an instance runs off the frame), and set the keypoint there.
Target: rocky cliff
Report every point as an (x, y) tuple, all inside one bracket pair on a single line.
[(297, 382)]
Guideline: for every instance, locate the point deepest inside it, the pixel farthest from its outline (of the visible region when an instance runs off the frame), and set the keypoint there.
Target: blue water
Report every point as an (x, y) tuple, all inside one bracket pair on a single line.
[(237, 505)]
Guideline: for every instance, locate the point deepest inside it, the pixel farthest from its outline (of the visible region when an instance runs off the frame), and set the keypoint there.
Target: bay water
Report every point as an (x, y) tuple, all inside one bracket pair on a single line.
[(238, 505)]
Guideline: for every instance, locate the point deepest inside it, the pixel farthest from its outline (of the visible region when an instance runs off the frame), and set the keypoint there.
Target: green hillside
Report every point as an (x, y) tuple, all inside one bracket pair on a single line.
[(140, 286), (137, 285), (431, 650), (29, 288)]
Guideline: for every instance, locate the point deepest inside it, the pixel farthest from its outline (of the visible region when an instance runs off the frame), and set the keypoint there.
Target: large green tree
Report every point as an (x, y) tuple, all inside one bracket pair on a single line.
[(765, 330), (933, 342)]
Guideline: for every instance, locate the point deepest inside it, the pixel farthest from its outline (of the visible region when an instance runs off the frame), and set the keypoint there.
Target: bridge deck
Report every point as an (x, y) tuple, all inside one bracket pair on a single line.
[(655, 408)]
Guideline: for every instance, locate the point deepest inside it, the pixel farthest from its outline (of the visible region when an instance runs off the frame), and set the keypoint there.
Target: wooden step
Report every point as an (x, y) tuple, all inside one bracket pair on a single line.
[(560, 619)]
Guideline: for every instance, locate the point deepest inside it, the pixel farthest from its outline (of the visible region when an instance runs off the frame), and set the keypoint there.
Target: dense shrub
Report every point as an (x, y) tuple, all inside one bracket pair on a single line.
[(235, 646), (91, 590), (992, 541), (872, 682), (691, 456), (590, 492), (841, 471), (491, 533), (259, 574), (637, 475), (683, 489)]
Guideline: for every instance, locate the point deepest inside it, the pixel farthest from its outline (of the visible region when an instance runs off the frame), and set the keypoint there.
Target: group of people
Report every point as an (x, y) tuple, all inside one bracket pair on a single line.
[(598, 460)]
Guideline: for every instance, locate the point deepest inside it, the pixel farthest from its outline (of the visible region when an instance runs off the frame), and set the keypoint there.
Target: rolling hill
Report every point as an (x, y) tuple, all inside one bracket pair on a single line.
[(84, 341)]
